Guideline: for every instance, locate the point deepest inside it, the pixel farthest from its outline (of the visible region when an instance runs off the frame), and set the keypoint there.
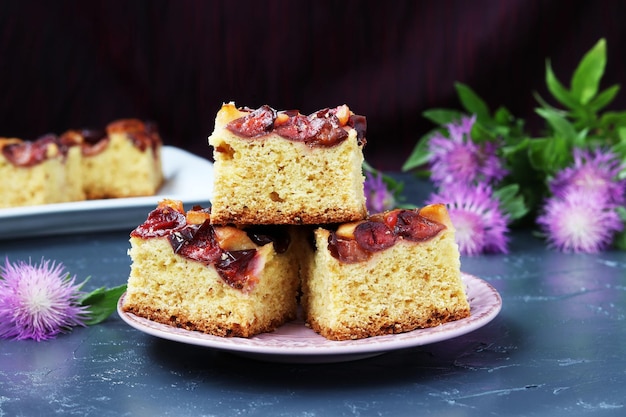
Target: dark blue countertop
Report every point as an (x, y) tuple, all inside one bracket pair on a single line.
[(557, 348)]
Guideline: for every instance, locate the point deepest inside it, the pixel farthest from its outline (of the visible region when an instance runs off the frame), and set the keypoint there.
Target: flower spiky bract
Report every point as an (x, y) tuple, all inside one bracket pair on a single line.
[(581, 214), (592, 171), (378, 196), (38, 301), (481, 226), (579, 221), (459, 158)]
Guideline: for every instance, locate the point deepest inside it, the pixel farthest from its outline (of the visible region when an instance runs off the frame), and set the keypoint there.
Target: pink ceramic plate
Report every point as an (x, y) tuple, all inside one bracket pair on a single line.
[(296, 343)]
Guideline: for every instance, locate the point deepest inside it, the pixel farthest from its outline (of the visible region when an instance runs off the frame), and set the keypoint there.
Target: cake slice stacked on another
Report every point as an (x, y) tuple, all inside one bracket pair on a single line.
[(287, 168)]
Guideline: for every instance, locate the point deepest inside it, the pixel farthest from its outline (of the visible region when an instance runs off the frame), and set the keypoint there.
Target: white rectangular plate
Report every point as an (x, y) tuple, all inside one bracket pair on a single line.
[(188, 178)]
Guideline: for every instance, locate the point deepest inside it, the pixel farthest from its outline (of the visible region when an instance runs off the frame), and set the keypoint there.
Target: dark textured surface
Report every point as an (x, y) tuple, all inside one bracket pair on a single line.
[(556, 349), (73, 63)]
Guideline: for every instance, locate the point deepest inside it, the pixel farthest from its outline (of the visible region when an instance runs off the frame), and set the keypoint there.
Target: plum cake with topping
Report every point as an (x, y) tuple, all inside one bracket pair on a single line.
[(220, 280), (390, 273), (122, 161), (284, 167), (42, 171)]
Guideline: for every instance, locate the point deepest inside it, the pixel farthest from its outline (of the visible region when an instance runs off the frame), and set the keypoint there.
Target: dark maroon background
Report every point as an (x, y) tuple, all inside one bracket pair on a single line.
[(84, 63)]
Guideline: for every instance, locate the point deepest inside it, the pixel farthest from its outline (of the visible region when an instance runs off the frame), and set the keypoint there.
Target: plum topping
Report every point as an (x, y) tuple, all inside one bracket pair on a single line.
[(201, 246), (29, 153), (322, 128), (256, 123), (359, 123), (199, 242), (93, 136), (347, 250), (262, 235), (233, 268), (94, 148), (180, 237), (297, 127), (380, 232), (374, 236), (143, 135), (161, 221), (146, 138), (412, 226)]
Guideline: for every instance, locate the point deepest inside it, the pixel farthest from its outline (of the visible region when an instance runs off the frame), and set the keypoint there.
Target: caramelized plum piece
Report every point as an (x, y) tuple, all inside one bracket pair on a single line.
[(202, 246), (143, 135), (356, 241), (93, 136), (312, 131), (359, 123), (262, 235), (297, 128), (161, 221), (323, 128), (410, 225), (181, 237), (232, 267), (256, 123), (374, 236), (27, 153), (346, 250), (390, 218), (327, 134)]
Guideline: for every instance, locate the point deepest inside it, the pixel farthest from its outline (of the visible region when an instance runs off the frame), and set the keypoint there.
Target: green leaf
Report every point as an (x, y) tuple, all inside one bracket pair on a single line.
[(442, 116), (101, 303), (621, 211), (535, 153), (472, 102), (613, 120), (620, 150), (604, 98), (587, 76), (511, 201), (514, 146), (549, 155), (420, 155), (560, 93), (481, 133), (581, 139), (620, 239), (560, 124), (503, 116)]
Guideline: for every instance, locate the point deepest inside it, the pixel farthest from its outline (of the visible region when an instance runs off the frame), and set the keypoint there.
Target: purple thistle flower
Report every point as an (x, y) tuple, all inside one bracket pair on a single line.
[(38, 301), (481, 226), (378, 196), (579, 221), (459, 159), (592, 171)]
